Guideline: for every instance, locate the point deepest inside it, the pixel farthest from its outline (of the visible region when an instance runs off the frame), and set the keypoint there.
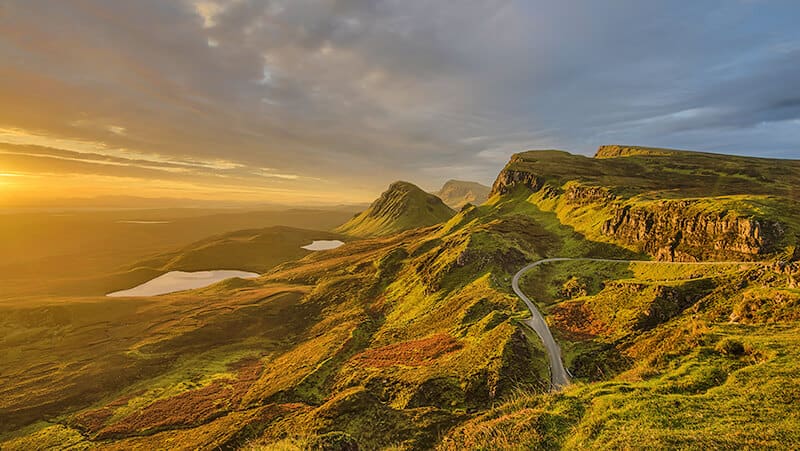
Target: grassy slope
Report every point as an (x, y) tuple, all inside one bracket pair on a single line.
[(683, 378), (318, 354), (419, 328), (647, 179), (402, 207), (411, 341), (665, 356)]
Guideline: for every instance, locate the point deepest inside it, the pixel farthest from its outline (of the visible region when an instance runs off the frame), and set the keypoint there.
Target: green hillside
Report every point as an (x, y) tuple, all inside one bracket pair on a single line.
[(402, 207), (672, 205), (664, 357), (415, 340)]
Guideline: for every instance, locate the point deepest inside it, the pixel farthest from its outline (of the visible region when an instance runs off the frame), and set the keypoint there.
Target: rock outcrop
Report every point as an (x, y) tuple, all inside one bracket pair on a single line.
[(577, 194), (614, 151), (510, 178), (679, 231), (661, 205)]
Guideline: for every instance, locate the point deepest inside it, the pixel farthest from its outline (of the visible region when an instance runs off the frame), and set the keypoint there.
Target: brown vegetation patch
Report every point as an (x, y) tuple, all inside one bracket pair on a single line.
[(94, 420), (231, 431), (190, 408), (410, 353), (503, 430), (186, 409), (576, 321), (247, 373)]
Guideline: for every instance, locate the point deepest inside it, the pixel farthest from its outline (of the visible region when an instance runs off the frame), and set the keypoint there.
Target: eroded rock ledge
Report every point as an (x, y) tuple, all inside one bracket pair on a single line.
[(677, 231)]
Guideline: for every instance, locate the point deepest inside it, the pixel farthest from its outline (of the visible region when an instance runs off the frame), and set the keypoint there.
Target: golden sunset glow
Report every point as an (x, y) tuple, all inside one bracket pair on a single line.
[(39, 169), (351, 225), (288, 102)]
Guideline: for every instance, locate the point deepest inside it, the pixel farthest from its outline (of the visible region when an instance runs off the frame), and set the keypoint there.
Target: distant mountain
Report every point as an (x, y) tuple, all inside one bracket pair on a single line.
[(416, 338), (457, 193), (403, 206)]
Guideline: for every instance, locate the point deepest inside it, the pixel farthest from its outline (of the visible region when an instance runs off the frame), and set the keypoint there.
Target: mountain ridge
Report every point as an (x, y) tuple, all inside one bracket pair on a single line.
[(416, 340), (401, 207), (682, 205), (457, 193), (619, 150)]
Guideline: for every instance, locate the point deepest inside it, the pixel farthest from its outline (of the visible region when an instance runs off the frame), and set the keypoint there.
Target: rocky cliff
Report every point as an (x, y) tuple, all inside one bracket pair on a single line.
[(635, 197), (509, 178), (682, 231), (614, 151)]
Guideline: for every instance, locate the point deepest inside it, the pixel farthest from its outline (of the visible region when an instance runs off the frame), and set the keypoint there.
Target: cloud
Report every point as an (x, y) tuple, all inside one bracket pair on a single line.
[(361, 92)]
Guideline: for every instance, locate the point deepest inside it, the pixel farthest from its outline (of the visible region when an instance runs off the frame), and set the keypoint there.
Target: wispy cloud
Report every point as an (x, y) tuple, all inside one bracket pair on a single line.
[(355, 93)]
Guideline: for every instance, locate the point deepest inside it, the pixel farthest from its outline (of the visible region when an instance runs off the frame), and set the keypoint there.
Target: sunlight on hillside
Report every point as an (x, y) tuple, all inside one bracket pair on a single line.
[(336, 225)]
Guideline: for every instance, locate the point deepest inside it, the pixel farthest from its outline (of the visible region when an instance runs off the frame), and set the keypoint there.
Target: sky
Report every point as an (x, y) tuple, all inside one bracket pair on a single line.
[(329, 101)]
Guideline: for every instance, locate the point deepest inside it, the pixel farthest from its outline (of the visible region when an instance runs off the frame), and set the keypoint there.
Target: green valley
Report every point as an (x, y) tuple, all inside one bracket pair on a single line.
[(409, 336)]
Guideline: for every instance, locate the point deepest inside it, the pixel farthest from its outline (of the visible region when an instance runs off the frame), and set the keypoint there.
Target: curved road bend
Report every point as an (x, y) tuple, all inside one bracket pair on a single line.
[(559, 378)]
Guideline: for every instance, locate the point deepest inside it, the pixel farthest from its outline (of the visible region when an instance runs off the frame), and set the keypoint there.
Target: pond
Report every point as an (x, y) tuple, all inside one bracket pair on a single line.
[(179, 280), (323, 245)]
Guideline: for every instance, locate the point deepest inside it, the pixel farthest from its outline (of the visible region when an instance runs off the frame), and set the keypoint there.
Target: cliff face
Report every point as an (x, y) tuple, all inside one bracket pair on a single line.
[(677, 231), (508, 179), (658, 222), (577, 194), (614, 151)]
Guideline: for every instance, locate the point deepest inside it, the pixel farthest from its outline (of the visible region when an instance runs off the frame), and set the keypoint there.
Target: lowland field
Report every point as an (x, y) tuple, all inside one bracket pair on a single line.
[(75, 251)]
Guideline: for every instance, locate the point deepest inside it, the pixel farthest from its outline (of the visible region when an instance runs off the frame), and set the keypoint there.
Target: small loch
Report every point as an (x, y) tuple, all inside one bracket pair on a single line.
[(180, 280), (322, 245)]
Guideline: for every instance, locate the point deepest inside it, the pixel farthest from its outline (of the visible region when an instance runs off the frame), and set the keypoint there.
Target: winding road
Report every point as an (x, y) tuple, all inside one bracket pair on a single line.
[(559, 377)]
